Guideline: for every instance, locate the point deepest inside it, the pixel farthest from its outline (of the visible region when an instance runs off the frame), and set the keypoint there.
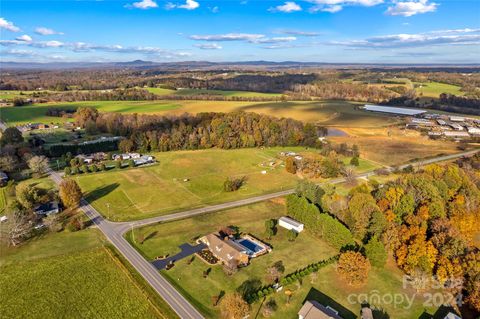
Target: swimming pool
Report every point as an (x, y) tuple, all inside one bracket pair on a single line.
[(251, 247)]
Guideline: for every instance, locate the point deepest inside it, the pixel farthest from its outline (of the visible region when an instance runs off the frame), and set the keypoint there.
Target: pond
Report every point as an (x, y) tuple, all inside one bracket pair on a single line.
[(335, 132)]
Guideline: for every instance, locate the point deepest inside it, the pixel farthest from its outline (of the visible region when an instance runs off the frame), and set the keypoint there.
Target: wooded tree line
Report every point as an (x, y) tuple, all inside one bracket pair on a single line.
[(203, 130), (446, 102), (341, 91), (427, 220)]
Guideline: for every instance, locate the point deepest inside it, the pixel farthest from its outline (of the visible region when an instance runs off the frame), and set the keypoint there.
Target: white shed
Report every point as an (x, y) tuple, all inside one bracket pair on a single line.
[(290, 224)]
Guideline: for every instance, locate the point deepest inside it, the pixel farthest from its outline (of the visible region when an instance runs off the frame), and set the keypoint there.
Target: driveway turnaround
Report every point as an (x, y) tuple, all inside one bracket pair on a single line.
[(186, 250)]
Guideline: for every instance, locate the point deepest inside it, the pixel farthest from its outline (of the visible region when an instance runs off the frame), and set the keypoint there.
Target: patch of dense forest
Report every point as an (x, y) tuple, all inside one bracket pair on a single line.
[(204, 130), (426, 220)]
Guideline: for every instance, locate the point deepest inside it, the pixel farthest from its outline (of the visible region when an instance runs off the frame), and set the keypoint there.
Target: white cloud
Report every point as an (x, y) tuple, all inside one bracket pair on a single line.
[(46, 31), (333, 6), (275, 40), (7, 25), (214, 9), (48, 44), (189, 5), (287, 7), (24, 38), (410, 8), (332, 9), (440, 37), (143, 4), (245, 37), (209, 46), (299, 33), (228, 37), (16, 52)]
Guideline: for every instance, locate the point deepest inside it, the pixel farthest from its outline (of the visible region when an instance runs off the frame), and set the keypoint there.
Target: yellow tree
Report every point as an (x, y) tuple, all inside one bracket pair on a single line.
[(233, 306), (353, 267)]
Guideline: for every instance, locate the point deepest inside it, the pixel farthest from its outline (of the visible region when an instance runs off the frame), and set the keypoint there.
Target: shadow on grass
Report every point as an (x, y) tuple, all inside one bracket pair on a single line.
[(101, 192), (150, 236), (441, 313), (325, 300)]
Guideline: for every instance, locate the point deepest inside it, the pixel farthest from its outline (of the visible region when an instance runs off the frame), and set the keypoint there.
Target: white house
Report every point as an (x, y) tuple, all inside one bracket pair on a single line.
[(290, 224)]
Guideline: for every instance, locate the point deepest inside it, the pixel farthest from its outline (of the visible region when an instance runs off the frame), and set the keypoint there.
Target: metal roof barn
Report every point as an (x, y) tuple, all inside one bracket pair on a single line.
[(393, 110)]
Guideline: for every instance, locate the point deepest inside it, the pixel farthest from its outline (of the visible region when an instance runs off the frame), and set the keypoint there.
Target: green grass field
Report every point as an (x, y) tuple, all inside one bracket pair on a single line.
[(70, 275), (165, 238), (186, 92), (434, 89), (159, 189), (332, 113)]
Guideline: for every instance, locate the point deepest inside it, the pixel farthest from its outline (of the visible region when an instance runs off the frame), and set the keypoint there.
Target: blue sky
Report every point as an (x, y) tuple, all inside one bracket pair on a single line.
[(343, 31)]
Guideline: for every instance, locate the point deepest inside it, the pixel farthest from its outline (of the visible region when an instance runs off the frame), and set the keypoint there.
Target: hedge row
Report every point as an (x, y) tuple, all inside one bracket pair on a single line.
[(58, 150), (288, 279), (319, 224), (85, 169)]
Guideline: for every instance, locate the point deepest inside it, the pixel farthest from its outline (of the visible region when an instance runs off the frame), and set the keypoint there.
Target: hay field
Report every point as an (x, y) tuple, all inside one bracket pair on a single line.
[(393, 146), (69, 275), (332, 113), (159, 189)]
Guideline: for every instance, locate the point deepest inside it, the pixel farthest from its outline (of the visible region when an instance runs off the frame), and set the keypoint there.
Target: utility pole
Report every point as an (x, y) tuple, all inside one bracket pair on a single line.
[(133, 234)]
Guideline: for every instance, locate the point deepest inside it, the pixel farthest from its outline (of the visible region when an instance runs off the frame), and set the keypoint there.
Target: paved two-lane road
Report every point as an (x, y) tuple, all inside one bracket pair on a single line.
[(176, 301), (115, 231)]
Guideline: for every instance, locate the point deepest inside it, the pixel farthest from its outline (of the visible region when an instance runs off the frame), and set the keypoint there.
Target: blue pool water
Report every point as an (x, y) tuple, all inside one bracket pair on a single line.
[(250, 245)]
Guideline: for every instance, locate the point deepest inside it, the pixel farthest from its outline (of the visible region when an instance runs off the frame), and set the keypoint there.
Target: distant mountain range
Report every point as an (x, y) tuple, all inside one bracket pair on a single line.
[(206, 65)]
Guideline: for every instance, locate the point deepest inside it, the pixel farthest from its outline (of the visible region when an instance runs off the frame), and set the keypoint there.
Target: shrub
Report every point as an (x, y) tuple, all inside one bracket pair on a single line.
[(102, 167), (233, 184), (131, 163), (85, 168), (93, 168), (67, 170), (376, 253), (354, 161), (118, 164)]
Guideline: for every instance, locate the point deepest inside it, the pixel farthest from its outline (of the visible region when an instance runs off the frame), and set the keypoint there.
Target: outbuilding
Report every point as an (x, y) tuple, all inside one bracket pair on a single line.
[(290, 224), (47, 209)]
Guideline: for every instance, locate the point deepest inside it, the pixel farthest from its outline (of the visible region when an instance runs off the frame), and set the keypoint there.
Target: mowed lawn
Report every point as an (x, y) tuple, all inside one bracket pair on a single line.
[(160, 189), (434, 89), (69, 275), (165, 238), (326, 287), (331, 113), (189, 179)]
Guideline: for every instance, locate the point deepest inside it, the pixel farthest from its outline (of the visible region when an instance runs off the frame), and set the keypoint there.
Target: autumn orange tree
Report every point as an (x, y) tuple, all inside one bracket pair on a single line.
[(233, 306), (70, 193), (353, 267), (432, 220)]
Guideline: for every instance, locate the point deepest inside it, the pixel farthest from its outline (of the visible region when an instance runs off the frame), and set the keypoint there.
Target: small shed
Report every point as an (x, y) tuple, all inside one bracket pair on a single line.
[(47, 209), (290, 224)]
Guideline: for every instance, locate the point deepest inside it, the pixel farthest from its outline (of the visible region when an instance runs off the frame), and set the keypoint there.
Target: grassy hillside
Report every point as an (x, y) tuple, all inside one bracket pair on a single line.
[(334, 113), (159, 189), (434, 89), (70, 275), (186, 92)]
